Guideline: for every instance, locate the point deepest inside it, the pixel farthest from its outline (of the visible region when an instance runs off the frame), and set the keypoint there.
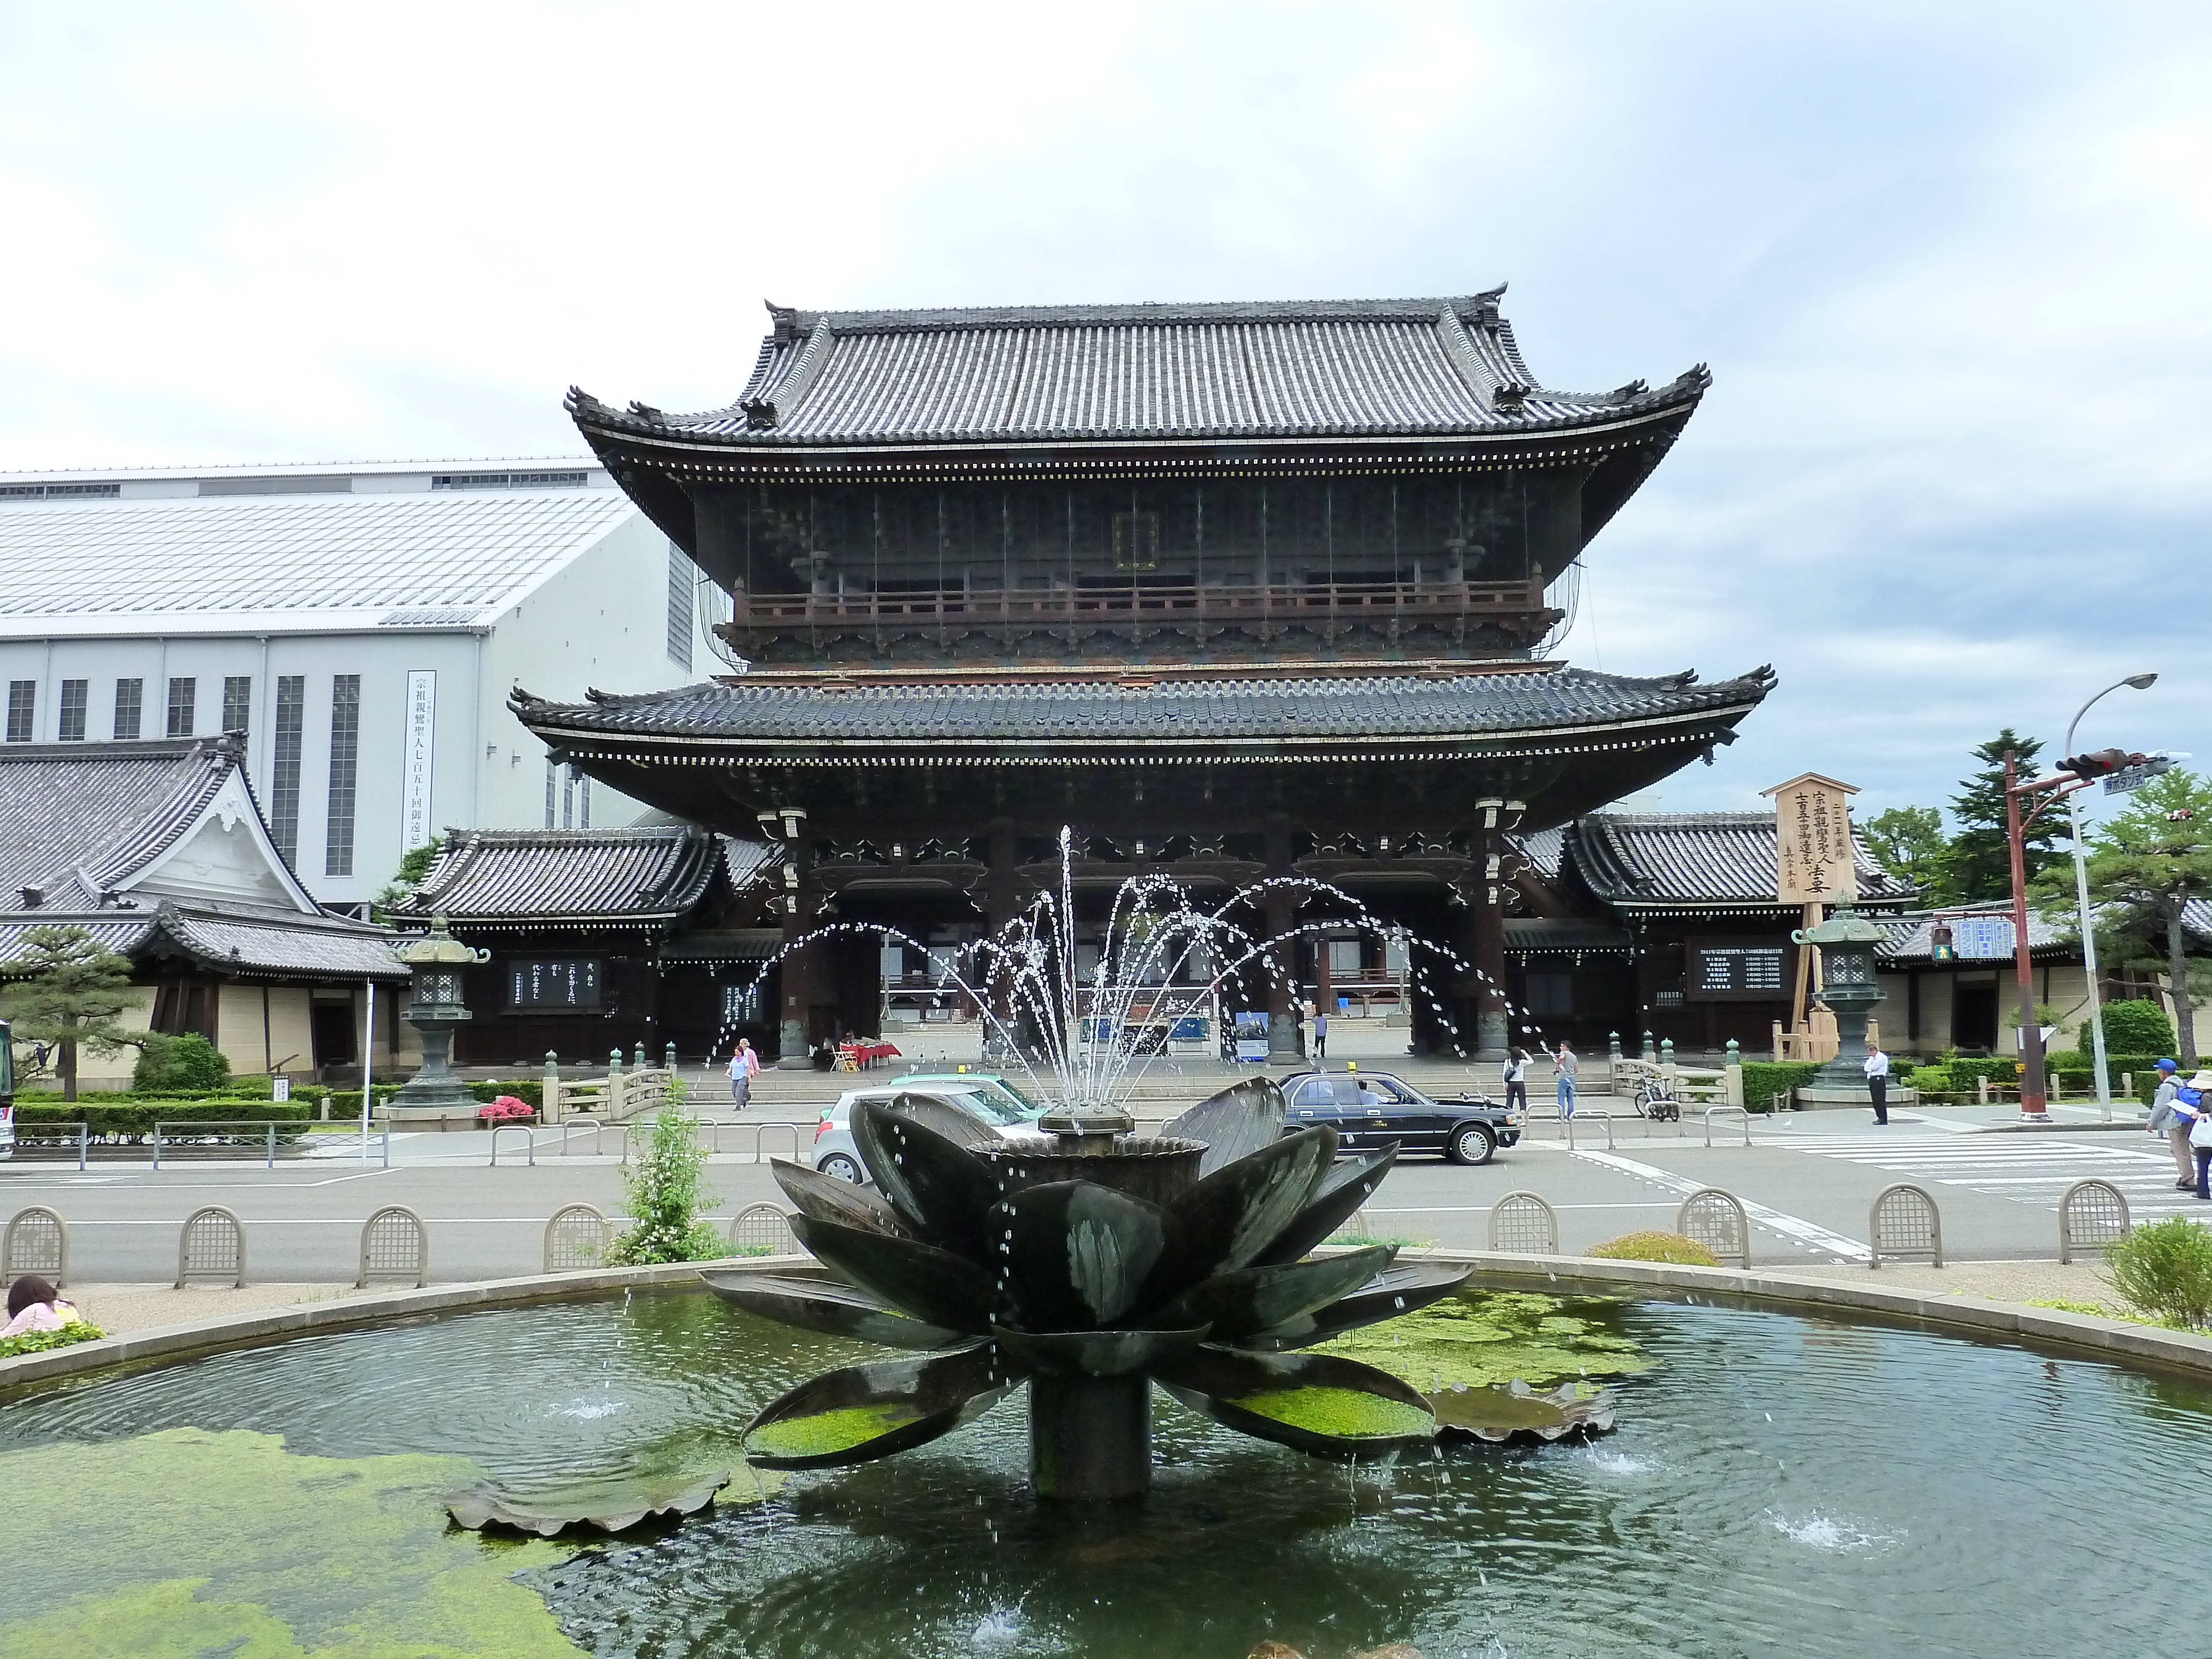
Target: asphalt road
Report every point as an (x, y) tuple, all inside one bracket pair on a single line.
[(1810, 1180)]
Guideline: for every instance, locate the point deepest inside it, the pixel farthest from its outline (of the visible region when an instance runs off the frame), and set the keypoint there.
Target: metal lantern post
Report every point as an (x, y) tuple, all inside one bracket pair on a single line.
[(1850, 987), (434, 1006)]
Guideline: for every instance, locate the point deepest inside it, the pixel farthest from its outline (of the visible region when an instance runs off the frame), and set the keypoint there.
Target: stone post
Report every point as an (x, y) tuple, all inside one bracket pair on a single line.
[(1732, 1075), (796, 971), (637, 1059), (1651, 1050), (549, 1101), (1613, 1047), (668, 1057)]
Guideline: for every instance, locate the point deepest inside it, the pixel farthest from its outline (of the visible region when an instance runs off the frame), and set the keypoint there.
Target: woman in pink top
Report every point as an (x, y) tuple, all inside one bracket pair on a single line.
[(34, 1305)]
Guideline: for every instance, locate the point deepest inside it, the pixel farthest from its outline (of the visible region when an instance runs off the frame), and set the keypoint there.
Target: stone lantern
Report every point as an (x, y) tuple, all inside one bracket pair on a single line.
[(434, 1007), (1850, 989)]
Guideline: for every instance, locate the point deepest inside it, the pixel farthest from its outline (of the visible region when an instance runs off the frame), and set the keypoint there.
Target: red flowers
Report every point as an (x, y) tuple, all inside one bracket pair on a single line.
[(506, 1109)]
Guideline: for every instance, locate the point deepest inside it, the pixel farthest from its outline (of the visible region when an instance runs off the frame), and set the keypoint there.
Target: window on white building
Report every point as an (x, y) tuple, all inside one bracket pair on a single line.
[(284, 776), (183, 694), (22, 710), (75, 694), (130, 708), (345, 766), (237, 701)]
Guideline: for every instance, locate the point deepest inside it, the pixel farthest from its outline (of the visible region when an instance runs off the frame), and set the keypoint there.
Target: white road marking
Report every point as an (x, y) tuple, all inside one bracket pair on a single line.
[(1796, 1229)]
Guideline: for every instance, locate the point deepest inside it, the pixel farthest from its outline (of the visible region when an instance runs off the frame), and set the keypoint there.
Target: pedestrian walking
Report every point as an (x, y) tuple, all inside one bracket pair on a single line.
[(745, 1067), (1517, 1081), (2175, 1125), (1877, 1077), (1321, 1035), (1569, 1070), (2195, 1096)]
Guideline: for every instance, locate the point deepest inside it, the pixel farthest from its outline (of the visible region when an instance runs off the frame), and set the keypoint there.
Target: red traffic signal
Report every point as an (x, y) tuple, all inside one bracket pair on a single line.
[(2098, 763)]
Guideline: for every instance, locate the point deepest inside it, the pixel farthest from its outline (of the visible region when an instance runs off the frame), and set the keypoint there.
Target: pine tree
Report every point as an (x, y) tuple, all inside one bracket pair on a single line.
[(69, 989), (1976, 867)]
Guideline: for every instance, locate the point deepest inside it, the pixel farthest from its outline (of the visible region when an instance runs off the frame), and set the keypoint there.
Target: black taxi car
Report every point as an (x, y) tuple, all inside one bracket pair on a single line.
[(1370, 1109)]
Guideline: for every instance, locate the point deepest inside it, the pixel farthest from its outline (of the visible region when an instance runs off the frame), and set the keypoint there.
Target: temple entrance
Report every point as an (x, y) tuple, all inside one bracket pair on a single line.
[(1974, 1018)]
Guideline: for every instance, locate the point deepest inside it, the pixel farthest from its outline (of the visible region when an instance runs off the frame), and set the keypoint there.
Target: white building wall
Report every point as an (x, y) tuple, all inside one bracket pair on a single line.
[(600, 618)]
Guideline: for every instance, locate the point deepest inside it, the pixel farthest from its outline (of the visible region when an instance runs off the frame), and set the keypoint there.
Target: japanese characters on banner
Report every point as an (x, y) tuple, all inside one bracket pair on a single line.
[(422, 733), (1813, 841)]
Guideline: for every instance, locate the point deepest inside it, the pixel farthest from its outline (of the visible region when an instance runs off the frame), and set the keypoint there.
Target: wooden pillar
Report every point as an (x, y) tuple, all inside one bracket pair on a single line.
[(1281, 913), (1000, 904), (1493, 1026), (799, 969)]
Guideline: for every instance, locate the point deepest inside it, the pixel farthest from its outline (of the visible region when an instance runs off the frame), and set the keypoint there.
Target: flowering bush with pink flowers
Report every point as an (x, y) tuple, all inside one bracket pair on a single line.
[(506, 1109)]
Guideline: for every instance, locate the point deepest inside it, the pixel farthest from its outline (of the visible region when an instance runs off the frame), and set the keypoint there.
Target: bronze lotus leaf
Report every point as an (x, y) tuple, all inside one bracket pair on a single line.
[(1007, 1263)]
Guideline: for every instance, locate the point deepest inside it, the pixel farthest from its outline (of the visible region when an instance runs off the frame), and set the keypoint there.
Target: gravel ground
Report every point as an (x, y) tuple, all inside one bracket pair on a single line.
[(121, 1308)]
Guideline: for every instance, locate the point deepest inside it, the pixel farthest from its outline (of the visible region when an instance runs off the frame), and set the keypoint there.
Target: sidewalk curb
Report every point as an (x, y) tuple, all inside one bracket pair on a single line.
[(2108, 1338)]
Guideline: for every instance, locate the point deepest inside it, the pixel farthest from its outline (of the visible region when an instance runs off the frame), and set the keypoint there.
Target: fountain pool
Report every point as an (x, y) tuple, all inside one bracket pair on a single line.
[(1778, 1485)]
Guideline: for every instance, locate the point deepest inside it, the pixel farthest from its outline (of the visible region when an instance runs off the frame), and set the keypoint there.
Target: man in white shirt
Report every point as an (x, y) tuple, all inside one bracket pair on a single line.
[(1877, 1077)]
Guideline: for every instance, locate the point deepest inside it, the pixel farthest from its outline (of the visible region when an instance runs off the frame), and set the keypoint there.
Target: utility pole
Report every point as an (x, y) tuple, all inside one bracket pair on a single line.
[(2034, 1090)]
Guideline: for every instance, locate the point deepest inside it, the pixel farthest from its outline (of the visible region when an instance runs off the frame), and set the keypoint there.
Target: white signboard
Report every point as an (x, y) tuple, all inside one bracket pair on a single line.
[(415, 823)]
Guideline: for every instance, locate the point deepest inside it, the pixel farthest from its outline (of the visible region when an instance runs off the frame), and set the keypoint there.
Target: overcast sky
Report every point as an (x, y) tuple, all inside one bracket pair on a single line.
[(1948, 263)]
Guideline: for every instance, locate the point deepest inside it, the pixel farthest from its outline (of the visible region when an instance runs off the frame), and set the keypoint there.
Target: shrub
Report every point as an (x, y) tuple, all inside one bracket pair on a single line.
[(178, 1065), (1763, 1079), (69, 1336), (666, 1198), (134, 1119), (1966, 1073), (2136, 1027), (1656, 1246), (2164, 1268), (1931, 1079)]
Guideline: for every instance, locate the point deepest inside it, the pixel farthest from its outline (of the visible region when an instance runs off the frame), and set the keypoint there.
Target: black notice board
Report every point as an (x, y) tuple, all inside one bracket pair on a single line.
[(1750, 970), (562, 982)]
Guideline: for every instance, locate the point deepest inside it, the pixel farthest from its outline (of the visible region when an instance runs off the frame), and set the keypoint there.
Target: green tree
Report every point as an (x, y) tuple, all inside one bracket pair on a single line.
[(188, 1064), (1908, 842), (1978, 865), (2146, 865), (68, 990), (413, 869)]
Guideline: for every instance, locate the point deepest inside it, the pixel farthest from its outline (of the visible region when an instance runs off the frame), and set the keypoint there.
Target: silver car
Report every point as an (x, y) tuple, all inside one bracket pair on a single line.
[(835, 1154)]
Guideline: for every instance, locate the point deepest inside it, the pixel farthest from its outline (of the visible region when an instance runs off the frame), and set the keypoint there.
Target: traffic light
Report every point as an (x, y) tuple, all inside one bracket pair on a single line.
[(2099, 762), (1940, 947)]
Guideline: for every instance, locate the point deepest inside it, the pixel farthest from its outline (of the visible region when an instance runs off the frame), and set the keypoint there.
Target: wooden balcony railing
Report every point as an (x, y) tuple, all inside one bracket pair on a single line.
[(1223, 604)]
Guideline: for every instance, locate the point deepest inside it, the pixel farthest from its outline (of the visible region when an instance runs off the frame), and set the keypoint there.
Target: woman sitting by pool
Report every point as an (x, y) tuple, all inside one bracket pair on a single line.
[(35, 1305)]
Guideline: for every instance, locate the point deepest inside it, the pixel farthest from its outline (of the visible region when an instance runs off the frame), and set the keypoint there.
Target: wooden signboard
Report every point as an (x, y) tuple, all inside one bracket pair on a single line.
[(1813, 841)]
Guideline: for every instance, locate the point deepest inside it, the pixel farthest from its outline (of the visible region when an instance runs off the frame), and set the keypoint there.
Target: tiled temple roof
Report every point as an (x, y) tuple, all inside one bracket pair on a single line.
[(77, 819), (1980, 935), (1152, 707), (1696, 860), (234, 941), (1156, 373), (1546, 936), (552, 878)]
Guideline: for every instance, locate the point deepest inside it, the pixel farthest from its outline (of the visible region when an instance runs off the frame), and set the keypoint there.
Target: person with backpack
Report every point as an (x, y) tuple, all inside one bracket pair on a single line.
[(2173, 1125), (1517, 1081), (2195, 1097)]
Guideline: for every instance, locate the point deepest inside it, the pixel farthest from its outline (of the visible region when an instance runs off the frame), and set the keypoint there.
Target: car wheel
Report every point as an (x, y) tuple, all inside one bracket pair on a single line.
[(838, 1167), (1471, 1143)]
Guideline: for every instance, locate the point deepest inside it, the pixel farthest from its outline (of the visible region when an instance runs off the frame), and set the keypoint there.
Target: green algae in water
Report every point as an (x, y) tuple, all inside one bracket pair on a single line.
[(191, 1542), (1347, 1413), (1487, 1339), (822, 1433)]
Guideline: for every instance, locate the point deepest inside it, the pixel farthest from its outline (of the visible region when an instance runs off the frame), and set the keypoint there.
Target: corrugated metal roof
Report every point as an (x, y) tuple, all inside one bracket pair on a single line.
[(1673, 860), (654, 873), (1421, 366), (1471, 704), (76, 818), (278, 561)]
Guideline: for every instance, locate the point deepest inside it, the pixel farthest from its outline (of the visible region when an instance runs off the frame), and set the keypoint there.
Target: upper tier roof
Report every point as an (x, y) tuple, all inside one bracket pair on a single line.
[(332, 560), (1155, 712), (1693, 860), (80, 819), (1030, 375)]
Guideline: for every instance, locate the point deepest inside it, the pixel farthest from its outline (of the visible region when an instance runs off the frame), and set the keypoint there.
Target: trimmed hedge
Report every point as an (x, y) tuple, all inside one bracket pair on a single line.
[(530, 1092), (134, 1120), (1763, 1079)]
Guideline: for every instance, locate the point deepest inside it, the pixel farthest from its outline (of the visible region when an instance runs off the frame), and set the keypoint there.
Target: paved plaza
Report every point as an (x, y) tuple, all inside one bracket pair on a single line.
[(1807, 1178)]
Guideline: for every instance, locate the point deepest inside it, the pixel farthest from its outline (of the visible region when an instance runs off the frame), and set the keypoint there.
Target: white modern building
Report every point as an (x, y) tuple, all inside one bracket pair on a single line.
[(361, 625)]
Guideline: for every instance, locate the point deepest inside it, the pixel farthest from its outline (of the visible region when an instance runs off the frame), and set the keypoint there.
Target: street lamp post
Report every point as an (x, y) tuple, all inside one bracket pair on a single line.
[(2135, 682)]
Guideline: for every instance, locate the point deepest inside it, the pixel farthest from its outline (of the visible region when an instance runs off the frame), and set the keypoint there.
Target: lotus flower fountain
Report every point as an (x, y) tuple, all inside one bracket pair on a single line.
[(1088, 1263)]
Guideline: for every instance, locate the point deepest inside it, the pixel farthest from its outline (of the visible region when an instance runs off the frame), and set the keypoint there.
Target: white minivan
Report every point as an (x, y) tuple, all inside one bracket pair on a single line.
[(982, 1098)]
